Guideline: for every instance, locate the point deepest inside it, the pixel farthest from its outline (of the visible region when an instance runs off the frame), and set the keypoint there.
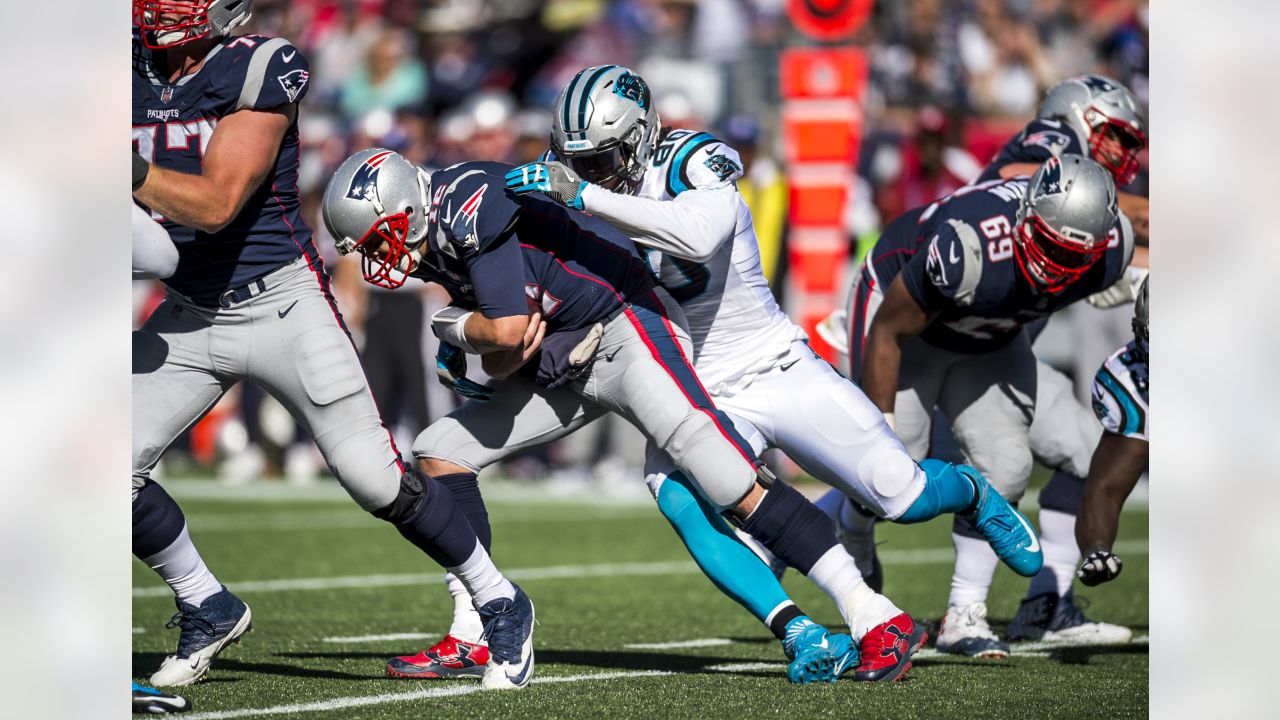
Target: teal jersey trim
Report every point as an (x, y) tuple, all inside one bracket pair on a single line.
[(1131, 414), (677, 174)]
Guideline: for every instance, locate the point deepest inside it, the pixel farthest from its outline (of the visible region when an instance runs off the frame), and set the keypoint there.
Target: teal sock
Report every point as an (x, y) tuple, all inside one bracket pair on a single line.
[(734, 569), (946, 490)]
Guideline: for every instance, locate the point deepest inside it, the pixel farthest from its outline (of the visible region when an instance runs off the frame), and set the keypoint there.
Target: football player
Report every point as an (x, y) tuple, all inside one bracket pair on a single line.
[(938, 317), (673, 191), (1120, 400), (613, 342), (215, 141), (1095, 117)]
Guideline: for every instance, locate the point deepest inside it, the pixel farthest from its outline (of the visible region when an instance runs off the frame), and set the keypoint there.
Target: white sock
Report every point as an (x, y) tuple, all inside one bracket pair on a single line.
[(181, 566), (1061, 556), (466, 621), (862, 609), (975, 567), (481, 578)]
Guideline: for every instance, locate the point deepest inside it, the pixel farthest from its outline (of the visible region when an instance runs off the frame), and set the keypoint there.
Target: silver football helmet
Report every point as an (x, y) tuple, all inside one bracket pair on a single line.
[(1064, 221), (1141, 321), (170, 23), (1106, 113), (378, 203), (605, 127)]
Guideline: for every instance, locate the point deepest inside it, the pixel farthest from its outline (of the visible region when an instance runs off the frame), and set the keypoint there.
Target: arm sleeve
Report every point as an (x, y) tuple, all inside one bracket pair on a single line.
[(497, 276), (277, 74), (692, 226)]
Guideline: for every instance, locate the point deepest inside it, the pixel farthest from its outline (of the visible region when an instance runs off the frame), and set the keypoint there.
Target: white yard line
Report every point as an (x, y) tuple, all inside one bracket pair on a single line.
[(139, 631), (703, 642), (343, 703), (376, 638), (889, 557)]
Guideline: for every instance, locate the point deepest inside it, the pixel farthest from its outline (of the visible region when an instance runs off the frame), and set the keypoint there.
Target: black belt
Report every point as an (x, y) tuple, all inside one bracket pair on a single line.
[(245, 292)]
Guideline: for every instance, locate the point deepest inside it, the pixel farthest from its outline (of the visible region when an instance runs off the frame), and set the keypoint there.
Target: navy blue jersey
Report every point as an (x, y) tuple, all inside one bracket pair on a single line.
[(1038, 141), (957, 260), (172, 126), (495, 251)]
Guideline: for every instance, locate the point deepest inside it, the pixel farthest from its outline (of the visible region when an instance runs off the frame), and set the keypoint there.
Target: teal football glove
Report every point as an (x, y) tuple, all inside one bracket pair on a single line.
[(553, 179), (451, 368)]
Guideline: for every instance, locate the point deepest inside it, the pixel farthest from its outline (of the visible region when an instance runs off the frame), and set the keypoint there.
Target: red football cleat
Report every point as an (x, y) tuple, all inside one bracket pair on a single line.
[(448, 658), (885, 651)]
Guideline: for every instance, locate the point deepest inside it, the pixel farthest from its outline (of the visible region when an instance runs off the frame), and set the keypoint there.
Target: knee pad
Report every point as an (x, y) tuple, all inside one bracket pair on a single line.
[(893, 479), (711, 461), (446, 439), (157, 519), (1063, 493), (1007, 464), (413, 491)]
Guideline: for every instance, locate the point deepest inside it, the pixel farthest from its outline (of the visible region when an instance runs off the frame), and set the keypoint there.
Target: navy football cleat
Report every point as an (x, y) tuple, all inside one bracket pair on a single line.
[(219, 621), (149, 701), (1005, 529), (815, 654), (508, 629)]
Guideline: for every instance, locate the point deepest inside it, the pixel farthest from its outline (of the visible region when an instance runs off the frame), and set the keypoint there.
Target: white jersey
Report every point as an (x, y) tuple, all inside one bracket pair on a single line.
[(702, 248), (1120, 394)]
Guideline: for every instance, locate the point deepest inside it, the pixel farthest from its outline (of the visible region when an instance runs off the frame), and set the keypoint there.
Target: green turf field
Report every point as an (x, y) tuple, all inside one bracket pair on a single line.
[(328, 583)]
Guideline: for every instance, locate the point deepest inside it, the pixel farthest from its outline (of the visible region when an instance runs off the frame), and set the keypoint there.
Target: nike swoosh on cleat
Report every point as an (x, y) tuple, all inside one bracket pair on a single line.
[(1035, 541), (823, 644), (519, 678)]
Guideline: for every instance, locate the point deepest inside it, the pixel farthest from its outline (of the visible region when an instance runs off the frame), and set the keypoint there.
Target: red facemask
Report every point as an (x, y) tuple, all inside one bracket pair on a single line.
[(189, 19), (1050, 261), (384, 270), (1114, 138)]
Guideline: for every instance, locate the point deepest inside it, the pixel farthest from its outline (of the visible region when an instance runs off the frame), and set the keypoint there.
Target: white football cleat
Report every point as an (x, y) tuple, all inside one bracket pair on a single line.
[(1053, 619), (965, 632), (508, 630)]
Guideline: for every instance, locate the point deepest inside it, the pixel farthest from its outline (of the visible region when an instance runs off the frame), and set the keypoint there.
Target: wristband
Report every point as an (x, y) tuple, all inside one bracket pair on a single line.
[(448, 324)]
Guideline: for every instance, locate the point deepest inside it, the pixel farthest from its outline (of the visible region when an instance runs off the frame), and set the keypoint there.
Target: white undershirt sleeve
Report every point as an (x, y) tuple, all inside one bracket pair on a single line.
[(692, 226)]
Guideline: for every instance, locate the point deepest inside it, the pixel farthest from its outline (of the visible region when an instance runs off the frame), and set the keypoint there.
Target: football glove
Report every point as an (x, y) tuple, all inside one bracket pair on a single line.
[(1098, 567), (140, 169), (451, 368), (553, 179)]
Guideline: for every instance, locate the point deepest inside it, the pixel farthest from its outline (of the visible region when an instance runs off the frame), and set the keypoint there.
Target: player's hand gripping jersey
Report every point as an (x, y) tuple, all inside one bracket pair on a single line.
[(1120, 393), (958, 260), (707, 257), (172, 126)]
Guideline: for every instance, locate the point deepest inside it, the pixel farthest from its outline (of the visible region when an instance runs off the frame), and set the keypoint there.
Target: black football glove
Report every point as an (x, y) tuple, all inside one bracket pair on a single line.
[(1098, 567)]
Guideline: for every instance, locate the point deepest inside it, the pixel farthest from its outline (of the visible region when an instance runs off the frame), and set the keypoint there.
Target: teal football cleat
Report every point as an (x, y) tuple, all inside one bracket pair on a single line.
[(1005, 529), (816, 655), (149, 701)]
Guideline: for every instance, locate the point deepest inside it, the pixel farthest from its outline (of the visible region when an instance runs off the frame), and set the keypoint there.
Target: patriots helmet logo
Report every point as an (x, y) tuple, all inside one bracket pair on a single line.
[(633, 88), (364, 185), (293, 82), (1051, 183)]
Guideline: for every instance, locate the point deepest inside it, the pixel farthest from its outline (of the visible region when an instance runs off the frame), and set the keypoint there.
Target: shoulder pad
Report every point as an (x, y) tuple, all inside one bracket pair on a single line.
[(954, 263), (457, 204), (276, 73), (1053, 136), (700, 161)]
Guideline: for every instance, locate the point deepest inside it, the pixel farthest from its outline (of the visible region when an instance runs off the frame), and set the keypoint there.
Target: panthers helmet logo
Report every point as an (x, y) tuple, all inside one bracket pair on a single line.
[(633, 88), (722, 166)]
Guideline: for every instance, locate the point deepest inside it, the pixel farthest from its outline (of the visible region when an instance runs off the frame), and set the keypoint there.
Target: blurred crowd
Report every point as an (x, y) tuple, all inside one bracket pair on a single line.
[(443, 81)]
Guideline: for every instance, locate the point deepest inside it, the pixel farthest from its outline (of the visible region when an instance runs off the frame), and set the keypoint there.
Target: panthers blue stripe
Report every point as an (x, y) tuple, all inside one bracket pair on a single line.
[(586, 94), (568, 99), (1131, 414), (677, 179)]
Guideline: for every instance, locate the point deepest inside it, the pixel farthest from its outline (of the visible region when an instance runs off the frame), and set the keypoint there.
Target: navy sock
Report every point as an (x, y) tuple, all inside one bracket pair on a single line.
[(438, 527), (1062, 493), (466, 491), (793, 529), (157, 520)]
